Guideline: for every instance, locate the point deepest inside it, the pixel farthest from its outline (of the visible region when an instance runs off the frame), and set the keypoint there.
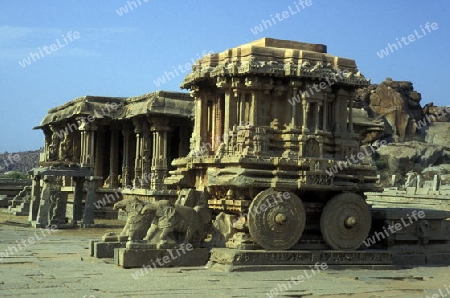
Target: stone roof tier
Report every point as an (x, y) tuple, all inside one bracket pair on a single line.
[(275, 58)]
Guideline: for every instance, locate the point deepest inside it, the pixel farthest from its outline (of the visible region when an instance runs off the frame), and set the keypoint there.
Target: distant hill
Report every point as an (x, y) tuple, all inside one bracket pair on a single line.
[(19, 161)]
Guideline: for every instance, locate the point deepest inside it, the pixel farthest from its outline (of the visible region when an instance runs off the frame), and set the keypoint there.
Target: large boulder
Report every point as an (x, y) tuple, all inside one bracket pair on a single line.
[(441, 170), (397, 103), (400, 158), (438, 133)]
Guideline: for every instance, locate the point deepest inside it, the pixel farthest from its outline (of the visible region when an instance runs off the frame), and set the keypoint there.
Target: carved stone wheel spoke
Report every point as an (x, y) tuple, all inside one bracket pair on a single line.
[(276, 223), (345, 222)]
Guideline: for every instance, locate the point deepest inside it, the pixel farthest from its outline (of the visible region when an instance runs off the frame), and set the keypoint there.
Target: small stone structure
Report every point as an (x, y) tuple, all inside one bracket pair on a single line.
[(414, 193), (48, 204), (20, 205), (127, 143), (10, 187)]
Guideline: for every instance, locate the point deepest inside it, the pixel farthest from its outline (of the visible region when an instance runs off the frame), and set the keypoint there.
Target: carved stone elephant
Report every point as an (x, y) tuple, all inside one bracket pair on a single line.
[(137, 223), (174, 224)]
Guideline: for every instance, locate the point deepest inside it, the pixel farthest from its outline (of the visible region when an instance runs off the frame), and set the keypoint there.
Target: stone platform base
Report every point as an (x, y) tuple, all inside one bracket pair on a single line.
[(422, 259), (36, 224), (100, 249), (295, 259), (157, 258), (86, 226), (69, 225)]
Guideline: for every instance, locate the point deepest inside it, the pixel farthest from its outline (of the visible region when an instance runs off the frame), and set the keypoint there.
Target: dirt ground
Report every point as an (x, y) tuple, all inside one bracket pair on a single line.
[(59, 265)]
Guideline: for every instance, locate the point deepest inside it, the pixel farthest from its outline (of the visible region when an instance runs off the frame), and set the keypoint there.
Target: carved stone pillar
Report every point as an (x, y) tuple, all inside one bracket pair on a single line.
[(205, 135), (138, 159), (35, 198), (87, 144), (198, 121), (48, 142), (341, 111), (306, 109), (77, 211), (88, 216), (318, 112), (49, 188), (126, 168), (230, 111), (55, 139), (254, 108), (337, 116), (99, 149), (146, 154), (114, 157), (325, 114), (350, 115), (57, 214), (317, 116), (159, 169), (218, 122), (241, 108), (294, 108), (76, 147)]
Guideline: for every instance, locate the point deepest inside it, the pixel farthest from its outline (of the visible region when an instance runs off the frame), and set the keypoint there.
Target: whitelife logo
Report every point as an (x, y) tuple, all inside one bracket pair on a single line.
[(281, 16), (69, 37), (394, 228), (411, 38)]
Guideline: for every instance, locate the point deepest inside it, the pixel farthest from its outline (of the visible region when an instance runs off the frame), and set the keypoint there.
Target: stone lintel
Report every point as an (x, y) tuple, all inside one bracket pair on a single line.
[(287, 44), (62, 172)]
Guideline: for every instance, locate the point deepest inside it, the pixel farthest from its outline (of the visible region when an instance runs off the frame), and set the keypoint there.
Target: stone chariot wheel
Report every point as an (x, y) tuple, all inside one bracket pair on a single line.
[(345, 221), (276, 222)]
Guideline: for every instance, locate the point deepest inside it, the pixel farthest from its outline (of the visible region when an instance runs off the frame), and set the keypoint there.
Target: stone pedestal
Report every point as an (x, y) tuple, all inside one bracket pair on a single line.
[(158, 258), (101, 249)]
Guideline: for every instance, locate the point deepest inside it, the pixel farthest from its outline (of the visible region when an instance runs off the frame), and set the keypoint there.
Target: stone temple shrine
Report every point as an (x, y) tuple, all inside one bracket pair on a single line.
[(263, 121)]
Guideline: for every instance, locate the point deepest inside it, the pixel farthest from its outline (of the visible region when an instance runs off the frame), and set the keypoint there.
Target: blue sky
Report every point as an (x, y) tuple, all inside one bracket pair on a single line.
[(123, 55)]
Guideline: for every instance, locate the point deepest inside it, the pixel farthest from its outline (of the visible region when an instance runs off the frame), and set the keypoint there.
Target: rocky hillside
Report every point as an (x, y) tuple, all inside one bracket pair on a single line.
[(418, 137), (18, 161), (397, 104)]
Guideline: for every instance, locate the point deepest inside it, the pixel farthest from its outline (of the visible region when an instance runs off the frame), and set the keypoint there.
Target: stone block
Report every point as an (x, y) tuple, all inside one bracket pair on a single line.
[(105, 249), (91, 247), (409, 259), (157, 258), (411, 190), (423, 191), (438, 259)]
